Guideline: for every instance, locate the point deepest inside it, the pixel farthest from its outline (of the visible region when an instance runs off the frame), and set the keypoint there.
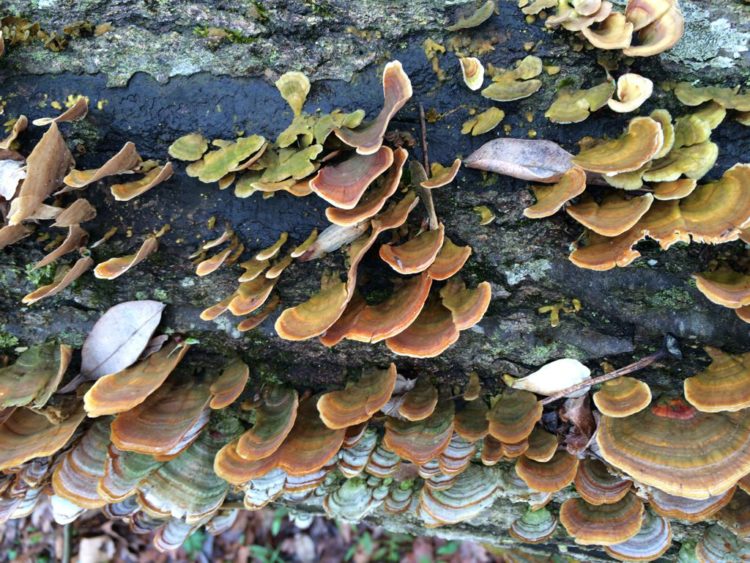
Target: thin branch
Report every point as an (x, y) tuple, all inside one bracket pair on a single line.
[(630, 368), (425, 194), (67, 540)]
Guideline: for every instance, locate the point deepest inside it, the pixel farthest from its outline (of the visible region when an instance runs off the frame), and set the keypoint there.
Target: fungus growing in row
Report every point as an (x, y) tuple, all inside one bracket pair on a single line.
[(415, 255), (152, 178), (658, 36), (423, 440), (472, 492), (359, 401), (26, 435), (574, 106), (615, 215), (632, 90), (353, 458), (383, 463), (77, 111), (115, 267), (735, 516), (274, 418), (484, 122), (121, 391), (614, 32), (550, 199), (730, 98), (123, 472), (166, 423), (643, 139), (420, 401), (189, 148), (472, 71), (535, 526), (492, 451), (396, 92), (76, 476), (231, 156), (429, 335), (644, 447), (603, 524), (75, 239), (457, 456), (622, 397), (719, 544), (597, 485), (399, 497), (550, 476), (690, 510), (467, 306), (227, 388), (77, 212), (513, 416), (651, 542), (441, 175), (516, 84), (34, 376), (476, 18), (542, 445), (722, 386)]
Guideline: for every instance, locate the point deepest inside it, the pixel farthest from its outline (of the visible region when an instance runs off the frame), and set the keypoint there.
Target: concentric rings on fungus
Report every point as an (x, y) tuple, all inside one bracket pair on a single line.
[(723, 386), (677, 449), (690, 510), (513, 416), (651, 542), (550, 476), (597, 485), (622, 397), (603, 524)]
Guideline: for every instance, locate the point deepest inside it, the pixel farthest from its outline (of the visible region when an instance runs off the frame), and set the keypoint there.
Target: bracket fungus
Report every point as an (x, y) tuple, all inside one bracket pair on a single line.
[(632, 91), (359, 401), (513, 416), (689, 510), (423, 440), (725, 287), (476, 18), (516, 84), (274, 418), (651, 542), (472, 71), (484, 122), (724, 386), (550, 476), (550, 199), (415, 255), (368, 138), (597, 485), (472, 492), (622, 397), (34, 376), (535, 526), (603, 524), (711, 455)]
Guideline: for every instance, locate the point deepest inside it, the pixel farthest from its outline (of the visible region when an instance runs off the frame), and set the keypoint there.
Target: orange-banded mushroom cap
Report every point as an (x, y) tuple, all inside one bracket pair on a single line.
[(643, 139), (722, 386), (416, 254), (123, 472), (677, 449), (76, 476), (725, 287), (166, 423), (121, 391), (690, 510), (359, 401), (227, 388), (535, 526), (549, 199), (651, 542), (441, 175), (274, 419), (26, 435), (374, 323), (423, 440), (429, 335), (343, 184), (550, 476), (513, 416), (471, 420), (603, 524), (235, 469), (311, 444), (314, 316), (396, 92), (467, 306), (542, 445), (420, 401), (615, 215), (456, 457), (622, 397), (597, 485), (492, 450), (449, 260), (604, 253)]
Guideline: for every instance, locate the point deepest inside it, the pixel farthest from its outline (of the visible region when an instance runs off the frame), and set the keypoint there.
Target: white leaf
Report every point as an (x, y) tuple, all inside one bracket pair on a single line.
[(554, 377), (119, 337), (11, 172)]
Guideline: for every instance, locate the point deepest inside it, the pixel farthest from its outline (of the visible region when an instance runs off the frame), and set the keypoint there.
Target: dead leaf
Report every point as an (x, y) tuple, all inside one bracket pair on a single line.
[(11, 172), (119, 337), (99, 549), (552, 378), (525, 159), (577, 412), (154, 345)]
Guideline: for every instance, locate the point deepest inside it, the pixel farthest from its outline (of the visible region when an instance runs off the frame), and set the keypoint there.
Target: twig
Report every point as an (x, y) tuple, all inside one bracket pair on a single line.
[(424, 194), (670, 349), (67, 537)]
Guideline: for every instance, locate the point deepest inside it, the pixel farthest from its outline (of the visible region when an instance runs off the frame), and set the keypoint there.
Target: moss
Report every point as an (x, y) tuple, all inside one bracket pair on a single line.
[(7, 340), (40, 276), (72, 338), (220, 34), (671, 298), (161, 295)]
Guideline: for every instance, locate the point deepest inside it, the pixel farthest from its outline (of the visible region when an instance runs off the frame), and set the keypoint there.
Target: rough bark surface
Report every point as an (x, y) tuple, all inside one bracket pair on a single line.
[(157, 79)]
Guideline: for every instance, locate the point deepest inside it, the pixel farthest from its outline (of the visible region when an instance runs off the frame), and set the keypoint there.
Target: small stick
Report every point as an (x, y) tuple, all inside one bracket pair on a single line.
[(425, 194), (67, 537), (670, 349)]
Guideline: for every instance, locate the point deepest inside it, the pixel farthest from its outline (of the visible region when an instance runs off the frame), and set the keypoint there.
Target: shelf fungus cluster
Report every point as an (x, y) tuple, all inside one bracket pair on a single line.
[(644, 29), (163, 440), (344, 160), (652, 177), (41, 187)]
